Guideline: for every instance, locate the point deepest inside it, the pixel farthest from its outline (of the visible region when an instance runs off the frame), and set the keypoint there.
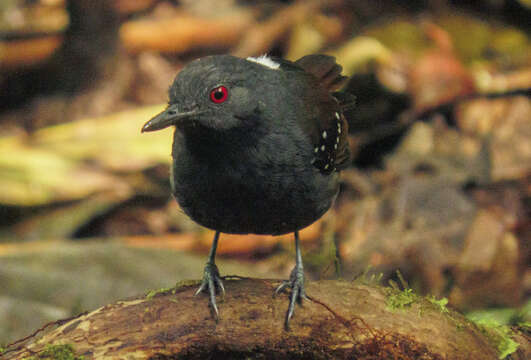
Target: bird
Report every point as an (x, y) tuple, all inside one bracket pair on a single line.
[(257, 148)]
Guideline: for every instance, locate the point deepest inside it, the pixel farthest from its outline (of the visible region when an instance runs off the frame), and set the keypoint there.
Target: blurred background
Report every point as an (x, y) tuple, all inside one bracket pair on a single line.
[(439, 188)]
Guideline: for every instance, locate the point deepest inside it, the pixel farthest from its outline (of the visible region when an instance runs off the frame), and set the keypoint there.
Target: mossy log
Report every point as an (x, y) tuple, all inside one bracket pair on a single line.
[(342, 320)]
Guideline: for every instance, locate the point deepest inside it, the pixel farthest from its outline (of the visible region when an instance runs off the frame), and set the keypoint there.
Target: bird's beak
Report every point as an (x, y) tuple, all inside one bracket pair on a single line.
[(170, 116)]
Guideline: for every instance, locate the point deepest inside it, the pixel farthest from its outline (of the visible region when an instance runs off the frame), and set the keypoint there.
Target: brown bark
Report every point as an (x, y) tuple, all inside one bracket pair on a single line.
[(341, 320)]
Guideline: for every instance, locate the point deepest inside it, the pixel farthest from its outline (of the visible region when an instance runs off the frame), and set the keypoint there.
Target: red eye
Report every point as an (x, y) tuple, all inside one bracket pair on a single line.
[(219, 94)]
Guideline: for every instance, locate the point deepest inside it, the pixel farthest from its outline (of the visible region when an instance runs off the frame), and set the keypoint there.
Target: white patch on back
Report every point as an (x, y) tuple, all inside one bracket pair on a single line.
[(265, 61)]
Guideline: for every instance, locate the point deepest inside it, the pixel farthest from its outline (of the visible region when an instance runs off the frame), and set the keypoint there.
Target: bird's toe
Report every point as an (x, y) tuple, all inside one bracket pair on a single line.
[(213, 285), (298, 293)]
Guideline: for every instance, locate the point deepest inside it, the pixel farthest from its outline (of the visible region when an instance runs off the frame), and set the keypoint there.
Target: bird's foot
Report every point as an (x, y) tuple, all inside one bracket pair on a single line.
[(296, 283), (213, 285)]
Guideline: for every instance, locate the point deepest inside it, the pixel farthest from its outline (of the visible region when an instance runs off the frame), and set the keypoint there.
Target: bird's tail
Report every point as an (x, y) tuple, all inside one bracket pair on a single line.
[(325, 69)]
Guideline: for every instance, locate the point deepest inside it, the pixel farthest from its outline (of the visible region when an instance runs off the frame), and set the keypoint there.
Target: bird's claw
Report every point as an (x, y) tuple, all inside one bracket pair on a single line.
[(296, 283), (212, 283)]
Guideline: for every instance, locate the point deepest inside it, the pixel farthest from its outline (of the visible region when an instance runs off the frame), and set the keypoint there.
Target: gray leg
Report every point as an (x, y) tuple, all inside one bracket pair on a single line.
[(211, 279), (295, 282)]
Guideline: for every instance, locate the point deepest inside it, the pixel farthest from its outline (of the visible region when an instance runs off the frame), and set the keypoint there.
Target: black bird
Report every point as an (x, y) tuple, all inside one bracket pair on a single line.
[(257, 148)]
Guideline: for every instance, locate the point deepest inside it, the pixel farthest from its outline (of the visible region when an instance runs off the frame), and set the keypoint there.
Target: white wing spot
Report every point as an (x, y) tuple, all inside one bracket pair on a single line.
[(337, 115), (322, 148), (335, 146), (316, 149), (339, 130), (265, 61), (324, 134), (326, 166)]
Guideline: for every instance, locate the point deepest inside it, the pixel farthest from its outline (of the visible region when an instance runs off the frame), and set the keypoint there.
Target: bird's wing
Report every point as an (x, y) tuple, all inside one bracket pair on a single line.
[(329, 132), (331, 147)]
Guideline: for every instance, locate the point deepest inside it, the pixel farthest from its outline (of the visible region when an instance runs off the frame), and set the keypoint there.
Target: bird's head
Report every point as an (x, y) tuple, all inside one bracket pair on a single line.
[(217, 93)]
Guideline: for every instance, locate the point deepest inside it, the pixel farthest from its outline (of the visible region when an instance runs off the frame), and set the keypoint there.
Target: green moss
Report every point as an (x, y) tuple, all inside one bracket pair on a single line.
[(399, 299), (440, 304), (500, 335), (151, 294), (402, 296), (57, 352), (184, 283), (503, 316)]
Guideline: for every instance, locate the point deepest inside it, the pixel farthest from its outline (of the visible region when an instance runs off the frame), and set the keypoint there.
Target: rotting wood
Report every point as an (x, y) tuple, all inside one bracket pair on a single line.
[(341, 320)]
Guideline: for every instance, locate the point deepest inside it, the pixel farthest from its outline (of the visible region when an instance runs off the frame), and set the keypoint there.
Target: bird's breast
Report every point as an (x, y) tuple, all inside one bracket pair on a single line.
[(270, 188)]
